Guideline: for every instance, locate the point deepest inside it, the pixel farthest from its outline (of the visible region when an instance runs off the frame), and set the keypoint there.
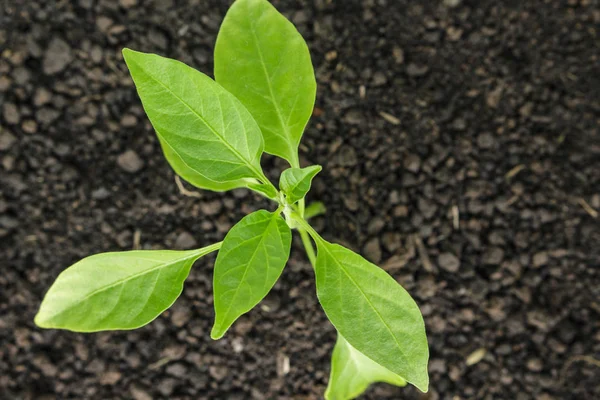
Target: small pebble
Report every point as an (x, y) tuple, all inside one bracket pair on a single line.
[(57, 57), (10, 113), (185, 241), (449, 262), (416, 71), (7, 140), (130, 161)]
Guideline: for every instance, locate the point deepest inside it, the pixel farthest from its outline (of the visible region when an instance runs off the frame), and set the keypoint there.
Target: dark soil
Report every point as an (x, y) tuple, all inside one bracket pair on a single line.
[(461, 149)]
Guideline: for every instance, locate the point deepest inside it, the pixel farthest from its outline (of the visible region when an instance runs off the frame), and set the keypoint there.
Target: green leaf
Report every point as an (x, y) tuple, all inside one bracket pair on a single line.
[(249, 263), (209, 130), (352, 372), (115, 291), (194, 178), (314, 209), (295, 182), (373, 312), (266, 190), (262, 59)]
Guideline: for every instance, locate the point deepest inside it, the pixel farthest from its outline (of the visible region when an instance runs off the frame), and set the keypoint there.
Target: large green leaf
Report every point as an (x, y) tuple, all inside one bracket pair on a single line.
[(262, 59), (373, 312), (253, 255), (194, 178), (114, 291), (295, 182), (209, 130), (352, 372)]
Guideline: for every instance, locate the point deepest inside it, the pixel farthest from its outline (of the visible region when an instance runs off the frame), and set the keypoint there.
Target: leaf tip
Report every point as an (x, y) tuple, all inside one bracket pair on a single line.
[(40, 322), (422, 383), (217, 332), (129, 55), (126, 52)]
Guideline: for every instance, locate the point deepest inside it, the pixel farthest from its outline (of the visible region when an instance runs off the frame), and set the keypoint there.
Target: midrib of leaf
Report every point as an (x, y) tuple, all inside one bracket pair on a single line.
[(287, 122), (356, 362), (284, 126), (260, 244), (352, 358), (181, 158), (115, 305), (296, 185), (355, 372), (245, 240), (150, 295), (162, 264), (221, 138), (346, 367), (239, 116), (367, 299)]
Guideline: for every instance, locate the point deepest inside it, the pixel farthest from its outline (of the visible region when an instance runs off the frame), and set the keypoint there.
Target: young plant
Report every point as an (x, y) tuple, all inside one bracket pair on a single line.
[(213, 134)]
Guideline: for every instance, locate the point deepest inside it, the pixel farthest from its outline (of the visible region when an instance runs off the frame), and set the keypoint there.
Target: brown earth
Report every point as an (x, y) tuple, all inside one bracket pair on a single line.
[(461, 151)]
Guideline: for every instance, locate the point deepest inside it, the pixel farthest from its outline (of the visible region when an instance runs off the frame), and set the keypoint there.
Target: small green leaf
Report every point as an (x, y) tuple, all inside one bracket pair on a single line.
[(295, 182), (262, 59), (209, 130), (115, 291), (373, 312), (249, 263), (266, 190), (194, 178), (314, 209), (352, 372)]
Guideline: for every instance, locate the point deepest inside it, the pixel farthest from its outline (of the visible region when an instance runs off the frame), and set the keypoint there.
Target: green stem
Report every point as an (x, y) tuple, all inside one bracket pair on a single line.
[(310, 251), (209, 249), (306, 226), (295, 163), (279, 209), (301, 207), (263, 178), (303, 228)]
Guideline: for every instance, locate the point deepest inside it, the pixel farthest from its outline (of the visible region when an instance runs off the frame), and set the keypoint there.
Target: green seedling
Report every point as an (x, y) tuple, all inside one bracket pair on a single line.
[(213, 133)]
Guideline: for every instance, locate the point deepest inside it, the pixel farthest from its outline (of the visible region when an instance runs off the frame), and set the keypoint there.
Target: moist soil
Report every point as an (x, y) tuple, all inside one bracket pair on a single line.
[(461, 151)]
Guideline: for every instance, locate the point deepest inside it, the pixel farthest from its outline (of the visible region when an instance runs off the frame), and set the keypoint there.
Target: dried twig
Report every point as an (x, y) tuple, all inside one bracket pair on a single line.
[(476, 356), (160, 363), (425, 260), (587, 359), (137, 236), (587, 207), (389, 118), (183, 190), (398, 261), (455, 218), (513, 172), (362, 91), (512, 200), (283, 364)]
